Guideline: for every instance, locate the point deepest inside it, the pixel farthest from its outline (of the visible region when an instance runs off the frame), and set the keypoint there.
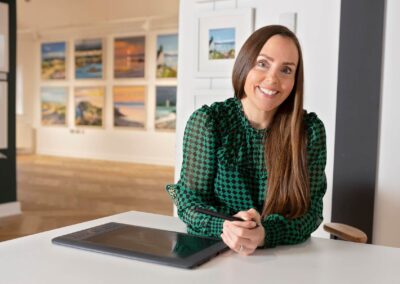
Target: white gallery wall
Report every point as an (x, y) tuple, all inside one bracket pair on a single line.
[(318, 24), (26, 89), (387, 195), (69, 21)]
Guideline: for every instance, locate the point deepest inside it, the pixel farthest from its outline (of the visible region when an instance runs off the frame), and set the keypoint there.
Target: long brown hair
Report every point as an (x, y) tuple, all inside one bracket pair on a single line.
[(285, 145)]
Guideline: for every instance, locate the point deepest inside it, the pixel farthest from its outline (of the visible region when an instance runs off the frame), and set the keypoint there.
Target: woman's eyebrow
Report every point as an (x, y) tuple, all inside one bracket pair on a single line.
[(272, 60)]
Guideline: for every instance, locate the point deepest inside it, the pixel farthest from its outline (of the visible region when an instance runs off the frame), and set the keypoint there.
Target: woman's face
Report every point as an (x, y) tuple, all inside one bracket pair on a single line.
[(271, 80)]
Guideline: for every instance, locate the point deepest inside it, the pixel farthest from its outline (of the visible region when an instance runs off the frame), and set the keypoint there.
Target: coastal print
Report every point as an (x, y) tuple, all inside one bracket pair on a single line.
[(165, 108), (221, 43), (53, 61), (89, 106), (129, 106), (89, 59), (167, 56), (129, 57), (54, 105)]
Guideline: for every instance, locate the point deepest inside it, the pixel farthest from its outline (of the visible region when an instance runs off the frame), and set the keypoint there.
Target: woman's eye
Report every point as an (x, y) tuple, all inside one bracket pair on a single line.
[(262, 64), (287, 70)]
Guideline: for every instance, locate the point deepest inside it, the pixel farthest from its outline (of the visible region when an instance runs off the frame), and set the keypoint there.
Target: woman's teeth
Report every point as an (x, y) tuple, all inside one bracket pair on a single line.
[(268, 92)]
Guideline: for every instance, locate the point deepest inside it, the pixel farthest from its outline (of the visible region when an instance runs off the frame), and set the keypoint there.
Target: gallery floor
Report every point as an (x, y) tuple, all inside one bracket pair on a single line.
[(56, 192)]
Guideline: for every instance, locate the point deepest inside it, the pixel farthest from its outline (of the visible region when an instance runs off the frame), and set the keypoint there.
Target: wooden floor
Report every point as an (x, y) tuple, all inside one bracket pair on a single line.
[(56, 192)]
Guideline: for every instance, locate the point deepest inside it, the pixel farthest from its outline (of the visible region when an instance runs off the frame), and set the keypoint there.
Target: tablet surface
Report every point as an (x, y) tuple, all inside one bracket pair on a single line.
[(147, 244)]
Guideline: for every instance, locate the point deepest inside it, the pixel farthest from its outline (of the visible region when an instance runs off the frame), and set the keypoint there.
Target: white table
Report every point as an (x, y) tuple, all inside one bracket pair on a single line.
[(34, 259)]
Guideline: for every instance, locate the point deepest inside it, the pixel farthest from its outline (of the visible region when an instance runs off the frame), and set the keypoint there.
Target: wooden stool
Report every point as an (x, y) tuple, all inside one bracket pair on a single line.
[(346, 232)]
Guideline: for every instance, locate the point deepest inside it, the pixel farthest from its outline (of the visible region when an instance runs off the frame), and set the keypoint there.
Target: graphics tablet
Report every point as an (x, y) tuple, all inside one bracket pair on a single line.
[(146, 244)]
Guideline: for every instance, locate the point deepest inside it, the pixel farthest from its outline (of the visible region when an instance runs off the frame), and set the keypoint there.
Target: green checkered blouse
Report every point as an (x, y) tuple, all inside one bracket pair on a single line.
[(224, 170)]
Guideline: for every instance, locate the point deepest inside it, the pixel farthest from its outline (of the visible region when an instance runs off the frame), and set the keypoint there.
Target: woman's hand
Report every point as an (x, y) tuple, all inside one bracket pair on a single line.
[(244, 236)]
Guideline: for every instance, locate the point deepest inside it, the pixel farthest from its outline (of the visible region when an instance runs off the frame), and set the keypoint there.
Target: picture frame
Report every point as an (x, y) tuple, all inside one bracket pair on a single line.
[(54, 106), (89, 59), (220, 35), (167, 56), (53, 60), (4, 45), (129, 57), (165, 115), (129, 106), (89, 104)]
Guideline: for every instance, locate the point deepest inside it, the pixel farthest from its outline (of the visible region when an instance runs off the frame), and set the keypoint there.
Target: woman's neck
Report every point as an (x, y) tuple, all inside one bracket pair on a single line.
[(259, 119)]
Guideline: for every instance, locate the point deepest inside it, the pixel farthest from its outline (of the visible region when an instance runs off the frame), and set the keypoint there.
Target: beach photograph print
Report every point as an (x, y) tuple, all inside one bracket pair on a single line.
[(54, 105), (53, 60), (89, 106), (165, 108), (129, 57), (221, 43), (167, 56), (129, 106), (89, 59)]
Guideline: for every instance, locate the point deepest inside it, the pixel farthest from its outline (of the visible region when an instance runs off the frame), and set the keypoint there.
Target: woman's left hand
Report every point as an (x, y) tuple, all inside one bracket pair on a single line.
[(244, 236)]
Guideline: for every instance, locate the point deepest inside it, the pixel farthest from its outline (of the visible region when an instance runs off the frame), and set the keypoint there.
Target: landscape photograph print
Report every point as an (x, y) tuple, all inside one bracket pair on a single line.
[(165, 108), (167, 56), (89, 59), (129, 57), (129, 106), (221, 43), (54, 105), (89, 106), (53, 61)]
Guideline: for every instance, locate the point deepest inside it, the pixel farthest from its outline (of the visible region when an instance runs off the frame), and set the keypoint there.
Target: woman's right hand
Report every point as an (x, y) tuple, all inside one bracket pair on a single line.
[(244, 236)]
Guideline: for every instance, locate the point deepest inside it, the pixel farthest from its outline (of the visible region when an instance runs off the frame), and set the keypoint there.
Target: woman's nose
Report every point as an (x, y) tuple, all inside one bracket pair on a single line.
[(271, 77)]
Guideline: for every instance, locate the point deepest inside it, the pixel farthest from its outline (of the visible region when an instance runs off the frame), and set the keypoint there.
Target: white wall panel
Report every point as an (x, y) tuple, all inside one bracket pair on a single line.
[(386, 229), (4, 46)]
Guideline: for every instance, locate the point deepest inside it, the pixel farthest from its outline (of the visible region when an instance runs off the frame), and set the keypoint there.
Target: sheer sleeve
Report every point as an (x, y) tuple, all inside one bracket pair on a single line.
[(282, 231), (196, 185)]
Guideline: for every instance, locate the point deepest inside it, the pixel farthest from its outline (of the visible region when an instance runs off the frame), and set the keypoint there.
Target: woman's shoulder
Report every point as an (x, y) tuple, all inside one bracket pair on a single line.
[(315, 128), (218, 113)]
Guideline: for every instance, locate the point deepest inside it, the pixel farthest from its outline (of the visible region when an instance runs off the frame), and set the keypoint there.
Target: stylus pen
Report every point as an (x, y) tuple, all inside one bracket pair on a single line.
[(222, 216), (216, 214)]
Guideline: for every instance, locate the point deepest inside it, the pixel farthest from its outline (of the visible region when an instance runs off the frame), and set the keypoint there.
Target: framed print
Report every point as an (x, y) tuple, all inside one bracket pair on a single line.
[(129, 57), (129, 106), (167, 56), (221, 34), (53, 60), (89, 106), (54, 101), (89, 59), (4, 37), (165, 108), (221, 43)]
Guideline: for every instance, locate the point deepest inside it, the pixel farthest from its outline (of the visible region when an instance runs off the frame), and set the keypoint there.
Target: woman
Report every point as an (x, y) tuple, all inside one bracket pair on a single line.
[(258, 156)]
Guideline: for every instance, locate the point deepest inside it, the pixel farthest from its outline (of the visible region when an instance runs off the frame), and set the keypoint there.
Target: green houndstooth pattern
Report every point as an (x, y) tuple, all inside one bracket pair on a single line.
[(224, 170)]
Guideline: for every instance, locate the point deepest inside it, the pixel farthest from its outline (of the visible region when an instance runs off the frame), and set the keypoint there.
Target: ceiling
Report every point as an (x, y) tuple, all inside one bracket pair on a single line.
[(40, 15)]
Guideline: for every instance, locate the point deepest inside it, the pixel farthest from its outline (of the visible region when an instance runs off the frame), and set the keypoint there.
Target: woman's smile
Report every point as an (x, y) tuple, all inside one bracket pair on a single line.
[(267, 92)]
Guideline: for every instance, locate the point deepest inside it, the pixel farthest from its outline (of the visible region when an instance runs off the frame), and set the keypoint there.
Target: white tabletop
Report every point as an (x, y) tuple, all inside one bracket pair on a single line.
[(34, 259)]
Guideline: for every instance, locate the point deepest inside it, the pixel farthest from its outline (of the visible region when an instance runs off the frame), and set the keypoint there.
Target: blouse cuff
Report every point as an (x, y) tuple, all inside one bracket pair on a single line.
[(212, 228), (275, 230)]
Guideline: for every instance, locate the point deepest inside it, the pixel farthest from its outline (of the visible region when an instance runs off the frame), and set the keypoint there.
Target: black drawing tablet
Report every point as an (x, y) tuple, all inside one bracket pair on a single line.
[(146, 244)]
